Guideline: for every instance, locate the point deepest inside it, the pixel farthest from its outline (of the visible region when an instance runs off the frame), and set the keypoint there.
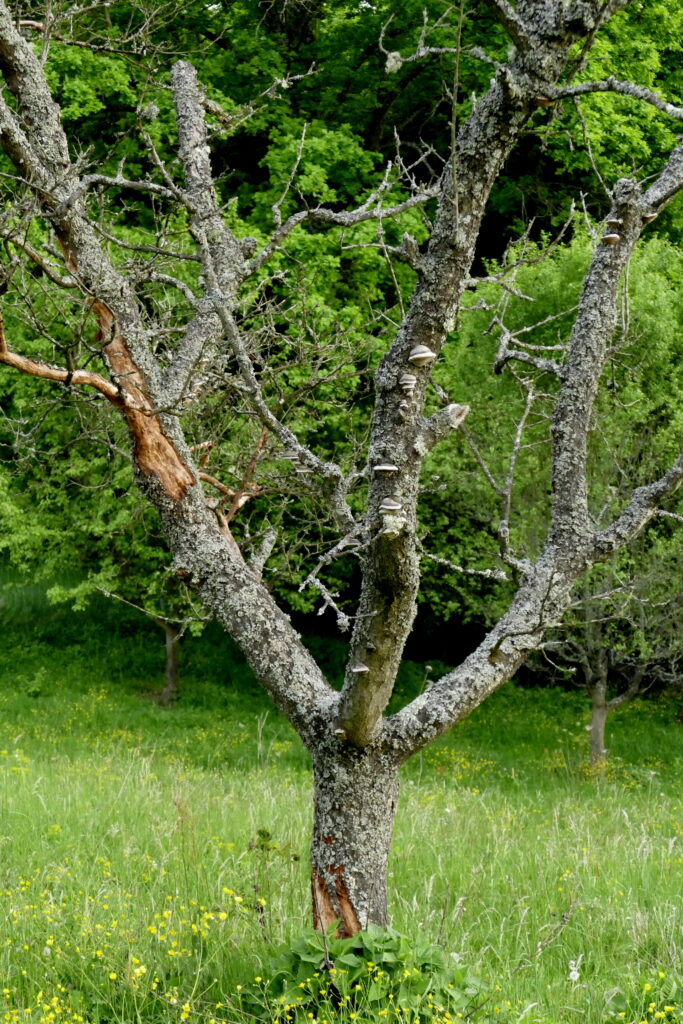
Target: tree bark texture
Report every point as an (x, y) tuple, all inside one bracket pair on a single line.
[(356, 750), (356, 791)]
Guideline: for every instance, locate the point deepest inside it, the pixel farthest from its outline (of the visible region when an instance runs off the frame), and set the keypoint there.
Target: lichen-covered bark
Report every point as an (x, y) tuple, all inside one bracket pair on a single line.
[(539, 602), (355, 751), (355, 800), (210, 563), (391, 565)]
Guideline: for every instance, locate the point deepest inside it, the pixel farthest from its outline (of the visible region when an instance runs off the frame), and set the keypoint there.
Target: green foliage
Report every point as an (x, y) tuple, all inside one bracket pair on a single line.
[(377, 973), (90, 83), (320, 317), (655, 996)]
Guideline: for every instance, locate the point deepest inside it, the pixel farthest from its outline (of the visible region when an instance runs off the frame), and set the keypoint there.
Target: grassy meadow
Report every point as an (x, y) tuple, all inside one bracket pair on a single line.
[(151, 861)]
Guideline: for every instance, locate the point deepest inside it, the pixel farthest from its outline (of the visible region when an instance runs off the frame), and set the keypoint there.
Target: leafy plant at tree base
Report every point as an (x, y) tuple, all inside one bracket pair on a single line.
[(373, 974)]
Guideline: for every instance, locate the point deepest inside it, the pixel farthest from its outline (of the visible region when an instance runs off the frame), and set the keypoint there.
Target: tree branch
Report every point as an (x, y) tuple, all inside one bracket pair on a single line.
[(40, 261), (511, 22), (45, 371), (667, 185), (611, 84), (639, 511), (369, 210), (571, 528), (203, 554), (440, 426)]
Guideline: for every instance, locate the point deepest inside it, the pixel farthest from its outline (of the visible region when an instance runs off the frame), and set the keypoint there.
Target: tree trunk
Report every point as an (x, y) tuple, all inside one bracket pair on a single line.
[(356, 791), (598, 754), (172, 672)]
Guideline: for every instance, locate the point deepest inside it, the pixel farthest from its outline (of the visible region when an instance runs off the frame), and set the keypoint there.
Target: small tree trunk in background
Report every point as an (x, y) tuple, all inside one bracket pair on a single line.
[(172, 672), (356, 791), (598, 754)]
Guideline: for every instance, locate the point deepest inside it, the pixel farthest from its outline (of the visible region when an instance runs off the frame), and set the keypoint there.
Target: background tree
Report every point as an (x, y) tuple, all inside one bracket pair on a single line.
[(196, 314), (621, 638)]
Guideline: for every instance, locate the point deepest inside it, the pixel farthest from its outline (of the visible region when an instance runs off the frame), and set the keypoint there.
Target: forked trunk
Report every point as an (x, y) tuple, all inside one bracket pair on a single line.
[(356, 791)]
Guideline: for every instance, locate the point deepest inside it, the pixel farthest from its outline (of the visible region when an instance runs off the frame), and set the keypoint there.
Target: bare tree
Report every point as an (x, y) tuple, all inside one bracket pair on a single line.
[(356, 748)]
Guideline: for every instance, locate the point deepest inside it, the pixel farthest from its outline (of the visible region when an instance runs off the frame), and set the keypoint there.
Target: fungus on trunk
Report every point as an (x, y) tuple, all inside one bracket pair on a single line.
[(355, 745)]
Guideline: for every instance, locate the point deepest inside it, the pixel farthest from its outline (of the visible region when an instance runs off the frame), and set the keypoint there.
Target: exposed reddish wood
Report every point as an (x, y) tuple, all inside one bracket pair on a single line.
[(36, 368), (154, 452), (39, 26), (324, 912), (155, 455), (225, 530), (239, 497), (205, 447), (207, 478)]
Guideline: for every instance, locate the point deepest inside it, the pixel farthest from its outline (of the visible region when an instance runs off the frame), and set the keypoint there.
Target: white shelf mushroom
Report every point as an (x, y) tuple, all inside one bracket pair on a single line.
[(421, 355), (390, 505)]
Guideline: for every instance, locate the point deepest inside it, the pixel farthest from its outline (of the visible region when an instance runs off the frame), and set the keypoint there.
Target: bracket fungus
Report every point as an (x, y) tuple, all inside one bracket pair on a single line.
[(390, 505), (611, 239), (421, 355)]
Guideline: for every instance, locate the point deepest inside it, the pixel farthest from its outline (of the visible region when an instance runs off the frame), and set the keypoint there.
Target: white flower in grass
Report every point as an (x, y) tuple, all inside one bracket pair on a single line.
[(574, 966)]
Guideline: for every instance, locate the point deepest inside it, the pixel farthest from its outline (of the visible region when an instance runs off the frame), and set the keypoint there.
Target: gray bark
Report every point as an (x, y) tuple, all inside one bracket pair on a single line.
[(355, 749), (356, 792)]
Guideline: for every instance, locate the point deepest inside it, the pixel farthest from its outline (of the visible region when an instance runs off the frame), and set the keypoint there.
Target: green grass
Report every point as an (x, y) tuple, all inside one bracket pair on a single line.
[(152, 855)]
